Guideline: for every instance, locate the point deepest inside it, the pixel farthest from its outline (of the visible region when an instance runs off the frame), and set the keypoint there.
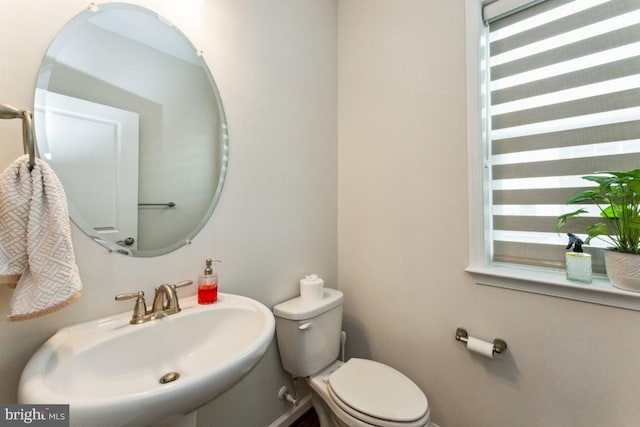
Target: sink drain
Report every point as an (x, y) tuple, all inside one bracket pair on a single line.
[(170, 377)]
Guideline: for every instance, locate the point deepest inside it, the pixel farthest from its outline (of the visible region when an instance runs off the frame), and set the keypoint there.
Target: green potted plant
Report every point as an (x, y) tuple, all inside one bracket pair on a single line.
[(617, 196)]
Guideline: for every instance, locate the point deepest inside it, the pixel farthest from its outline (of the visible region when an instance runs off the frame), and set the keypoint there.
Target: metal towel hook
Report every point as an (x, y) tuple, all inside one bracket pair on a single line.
[(28, 134)]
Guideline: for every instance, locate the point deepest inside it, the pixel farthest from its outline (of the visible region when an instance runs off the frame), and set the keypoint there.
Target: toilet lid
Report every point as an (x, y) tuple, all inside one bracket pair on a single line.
[(379, 391)]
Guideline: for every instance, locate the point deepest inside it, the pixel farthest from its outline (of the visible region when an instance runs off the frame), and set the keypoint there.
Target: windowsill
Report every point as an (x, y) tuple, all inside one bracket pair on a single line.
[(554, 283)]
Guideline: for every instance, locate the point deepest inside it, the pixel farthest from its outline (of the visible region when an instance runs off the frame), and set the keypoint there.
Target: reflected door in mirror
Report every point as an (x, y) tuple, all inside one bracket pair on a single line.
[(94, 151)]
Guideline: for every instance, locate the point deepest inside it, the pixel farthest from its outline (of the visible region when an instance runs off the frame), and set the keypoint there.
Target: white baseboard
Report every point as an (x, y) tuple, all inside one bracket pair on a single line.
[(295, 412)]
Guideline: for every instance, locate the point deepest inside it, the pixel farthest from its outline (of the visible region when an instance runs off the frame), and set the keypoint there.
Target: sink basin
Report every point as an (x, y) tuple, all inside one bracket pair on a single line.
[(110, 371)]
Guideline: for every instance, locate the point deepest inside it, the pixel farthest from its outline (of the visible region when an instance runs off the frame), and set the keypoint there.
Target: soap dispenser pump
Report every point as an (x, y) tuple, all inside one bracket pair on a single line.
[(208, 284), (578, 264)]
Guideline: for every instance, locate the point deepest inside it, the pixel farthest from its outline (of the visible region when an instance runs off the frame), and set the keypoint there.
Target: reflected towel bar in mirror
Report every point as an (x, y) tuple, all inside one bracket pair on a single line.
[(166, 205)]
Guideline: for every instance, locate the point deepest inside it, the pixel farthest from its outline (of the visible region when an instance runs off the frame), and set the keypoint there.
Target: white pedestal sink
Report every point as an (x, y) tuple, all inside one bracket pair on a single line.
[(110, 371)]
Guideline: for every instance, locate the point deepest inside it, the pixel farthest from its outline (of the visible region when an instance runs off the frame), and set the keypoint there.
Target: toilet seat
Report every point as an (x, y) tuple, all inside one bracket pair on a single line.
[(378, 394)]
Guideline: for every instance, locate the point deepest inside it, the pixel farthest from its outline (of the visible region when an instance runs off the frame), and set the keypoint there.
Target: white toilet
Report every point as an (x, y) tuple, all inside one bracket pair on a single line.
[(358, 393)]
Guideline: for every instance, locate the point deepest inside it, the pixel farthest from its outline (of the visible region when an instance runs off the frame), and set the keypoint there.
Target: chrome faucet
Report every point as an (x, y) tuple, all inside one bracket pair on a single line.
[(165, 302)]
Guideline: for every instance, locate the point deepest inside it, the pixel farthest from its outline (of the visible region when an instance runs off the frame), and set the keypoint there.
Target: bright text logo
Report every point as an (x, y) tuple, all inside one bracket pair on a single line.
[(12, 415)]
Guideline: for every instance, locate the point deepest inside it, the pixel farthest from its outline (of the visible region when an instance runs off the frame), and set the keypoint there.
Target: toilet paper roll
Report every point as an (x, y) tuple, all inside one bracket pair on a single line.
[(481, 347), (311, 288)]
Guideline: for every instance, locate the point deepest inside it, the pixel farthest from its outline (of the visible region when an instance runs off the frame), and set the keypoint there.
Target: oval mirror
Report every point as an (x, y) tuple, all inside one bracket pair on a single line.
[(128, 115)]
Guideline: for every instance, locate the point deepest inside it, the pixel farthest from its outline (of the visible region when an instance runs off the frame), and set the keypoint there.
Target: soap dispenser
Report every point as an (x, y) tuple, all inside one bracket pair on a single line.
[(208, 284), (578, 264)]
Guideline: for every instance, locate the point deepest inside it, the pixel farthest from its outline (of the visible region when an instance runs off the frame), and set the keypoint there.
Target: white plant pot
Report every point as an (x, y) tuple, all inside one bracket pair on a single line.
[(623, 269)]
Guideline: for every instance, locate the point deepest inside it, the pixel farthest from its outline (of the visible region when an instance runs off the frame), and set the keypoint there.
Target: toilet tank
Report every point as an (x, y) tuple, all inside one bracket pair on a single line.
[(308, 332)]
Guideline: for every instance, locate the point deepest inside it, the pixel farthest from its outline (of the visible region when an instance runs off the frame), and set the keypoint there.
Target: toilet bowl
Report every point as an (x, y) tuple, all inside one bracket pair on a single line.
[(356, 393), (364, 393)]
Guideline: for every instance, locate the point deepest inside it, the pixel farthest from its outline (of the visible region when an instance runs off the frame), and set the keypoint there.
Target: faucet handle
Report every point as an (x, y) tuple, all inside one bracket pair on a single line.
[(122, 297), (182, 284), (139, 309)]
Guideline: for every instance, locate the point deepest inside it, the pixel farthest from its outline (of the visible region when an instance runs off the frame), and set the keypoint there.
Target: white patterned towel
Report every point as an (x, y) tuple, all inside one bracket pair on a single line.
[(35, 240)]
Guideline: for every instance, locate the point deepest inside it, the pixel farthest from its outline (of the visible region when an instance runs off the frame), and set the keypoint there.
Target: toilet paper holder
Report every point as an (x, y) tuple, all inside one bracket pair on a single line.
[(499, 345)]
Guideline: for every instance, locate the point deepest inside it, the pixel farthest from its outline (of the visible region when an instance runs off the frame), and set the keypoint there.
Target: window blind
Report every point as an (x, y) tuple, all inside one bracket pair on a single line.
[(497, 9), (564, 102)]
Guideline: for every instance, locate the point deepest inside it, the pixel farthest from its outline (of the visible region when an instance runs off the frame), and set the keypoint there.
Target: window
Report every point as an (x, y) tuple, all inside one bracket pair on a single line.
[(554, 94)]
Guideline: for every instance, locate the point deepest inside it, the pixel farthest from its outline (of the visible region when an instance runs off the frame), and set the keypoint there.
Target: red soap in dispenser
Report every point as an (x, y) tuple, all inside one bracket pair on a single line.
[(208, 284)]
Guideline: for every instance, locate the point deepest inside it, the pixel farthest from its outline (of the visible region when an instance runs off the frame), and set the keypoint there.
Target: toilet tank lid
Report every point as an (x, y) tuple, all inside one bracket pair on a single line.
[(297, 309)]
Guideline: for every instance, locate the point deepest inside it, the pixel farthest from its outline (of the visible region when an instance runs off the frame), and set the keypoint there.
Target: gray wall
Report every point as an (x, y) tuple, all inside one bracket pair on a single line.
[(402, 213), (403, 243), (275, 66)]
